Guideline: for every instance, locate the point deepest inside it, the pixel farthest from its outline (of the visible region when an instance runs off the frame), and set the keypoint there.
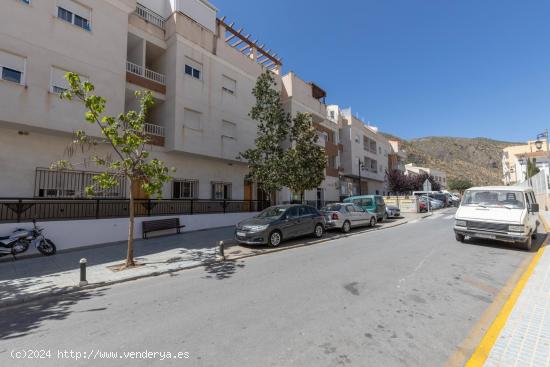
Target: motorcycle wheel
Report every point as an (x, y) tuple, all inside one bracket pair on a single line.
[(47, 247)]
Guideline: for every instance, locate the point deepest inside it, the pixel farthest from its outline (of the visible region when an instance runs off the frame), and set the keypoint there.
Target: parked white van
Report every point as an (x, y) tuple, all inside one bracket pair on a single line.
[(503, 213)]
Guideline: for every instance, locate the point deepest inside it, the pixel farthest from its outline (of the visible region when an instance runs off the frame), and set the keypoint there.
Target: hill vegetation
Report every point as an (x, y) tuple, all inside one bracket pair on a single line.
[(478, 160)]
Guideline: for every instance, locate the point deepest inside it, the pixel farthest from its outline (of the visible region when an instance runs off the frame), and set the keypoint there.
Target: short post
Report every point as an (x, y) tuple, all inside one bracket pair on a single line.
[(83, 280), (221, 248)]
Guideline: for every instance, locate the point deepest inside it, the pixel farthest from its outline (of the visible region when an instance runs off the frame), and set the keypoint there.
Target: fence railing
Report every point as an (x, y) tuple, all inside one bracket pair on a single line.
[(153, 129), (25, 209), (146, 73), (150, 16), (538, 182)]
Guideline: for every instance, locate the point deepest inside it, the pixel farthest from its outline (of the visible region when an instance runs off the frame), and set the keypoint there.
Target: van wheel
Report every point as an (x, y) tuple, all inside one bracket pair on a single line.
[(528, 244), (346, 227), (459, 237)]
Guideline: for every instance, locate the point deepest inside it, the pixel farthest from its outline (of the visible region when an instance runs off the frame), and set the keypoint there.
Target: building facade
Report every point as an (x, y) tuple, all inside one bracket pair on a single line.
[(439, 176), (199, 69), (365, 156), (514, 160)]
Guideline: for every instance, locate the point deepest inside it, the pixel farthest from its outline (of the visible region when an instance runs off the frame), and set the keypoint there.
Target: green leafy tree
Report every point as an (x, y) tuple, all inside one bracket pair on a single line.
[(460, 184), (127, 139), (266, 159), (532, 168), (305, 161)]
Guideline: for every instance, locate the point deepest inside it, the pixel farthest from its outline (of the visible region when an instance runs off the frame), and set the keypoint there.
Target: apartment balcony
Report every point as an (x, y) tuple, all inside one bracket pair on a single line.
[(150, 16), (155, 133), (146, 78)]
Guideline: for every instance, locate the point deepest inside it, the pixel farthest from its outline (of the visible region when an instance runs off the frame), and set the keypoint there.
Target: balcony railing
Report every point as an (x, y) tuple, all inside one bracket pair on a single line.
[(150, 16), (145, 73), (153, 129)]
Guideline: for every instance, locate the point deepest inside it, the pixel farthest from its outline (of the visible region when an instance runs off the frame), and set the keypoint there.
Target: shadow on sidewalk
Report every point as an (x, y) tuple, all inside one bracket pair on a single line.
[(21, 320)]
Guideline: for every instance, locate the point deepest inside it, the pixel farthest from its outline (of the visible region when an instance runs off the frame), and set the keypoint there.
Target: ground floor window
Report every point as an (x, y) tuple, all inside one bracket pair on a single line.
[(71, 184), (185, 189), (221, 190)]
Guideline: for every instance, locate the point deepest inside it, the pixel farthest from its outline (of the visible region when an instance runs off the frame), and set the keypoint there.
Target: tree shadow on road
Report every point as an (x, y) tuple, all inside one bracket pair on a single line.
[(23, 319), (223, 269)]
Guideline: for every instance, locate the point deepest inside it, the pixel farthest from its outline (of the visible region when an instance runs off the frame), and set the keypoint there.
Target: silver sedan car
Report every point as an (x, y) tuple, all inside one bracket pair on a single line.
[(345, 216)]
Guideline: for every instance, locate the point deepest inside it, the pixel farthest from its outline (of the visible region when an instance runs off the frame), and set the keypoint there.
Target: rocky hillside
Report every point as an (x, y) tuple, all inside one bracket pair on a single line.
[(478, 159)]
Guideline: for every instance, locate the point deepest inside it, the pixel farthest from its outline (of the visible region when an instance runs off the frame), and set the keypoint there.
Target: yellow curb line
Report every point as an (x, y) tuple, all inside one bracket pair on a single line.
[(545, 225), (482, 351)]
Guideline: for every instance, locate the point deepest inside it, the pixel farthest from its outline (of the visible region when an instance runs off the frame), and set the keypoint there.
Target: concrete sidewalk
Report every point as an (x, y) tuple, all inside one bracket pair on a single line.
[(522, 329), (29, 279)]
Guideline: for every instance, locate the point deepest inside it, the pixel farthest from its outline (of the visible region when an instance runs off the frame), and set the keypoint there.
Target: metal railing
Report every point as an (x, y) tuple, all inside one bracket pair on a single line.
[(150, 16), (146, 73), (25, 209), (153, 129)]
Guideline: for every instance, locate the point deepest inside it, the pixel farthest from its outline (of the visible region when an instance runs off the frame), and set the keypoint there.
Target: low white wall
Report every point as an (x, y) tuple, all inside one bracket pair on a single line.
[(78, 233)]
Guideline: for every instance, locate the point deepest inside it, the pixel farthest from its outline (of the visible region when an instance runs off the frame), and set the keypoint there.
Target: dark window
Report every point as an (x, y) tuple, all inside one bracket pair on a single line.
[(81, 22), (65, 14), (188, 70), (11, 75), (221, 191), (195, 73), (57, 89), (185, 189)]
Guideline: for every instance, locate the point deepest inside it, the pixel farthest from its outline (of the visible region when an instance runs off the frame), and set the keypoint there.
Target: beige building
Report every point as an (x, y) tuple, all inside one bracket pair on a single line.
[(300, 96), (439, 176), (514, 160), (364, 158), (199, 68)]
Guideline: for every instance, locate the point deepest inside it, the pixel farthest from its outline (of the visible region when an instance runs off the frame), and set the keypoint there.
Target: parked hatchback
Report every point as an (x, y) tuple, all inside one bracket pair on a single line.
[(372, 203), (346, 216), (280, 222)]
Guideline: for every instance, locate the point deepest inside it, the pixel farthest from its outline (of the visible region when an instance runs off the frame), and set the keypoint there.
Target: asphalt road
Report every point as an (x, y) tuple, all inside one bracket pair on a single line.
[(406, 296)]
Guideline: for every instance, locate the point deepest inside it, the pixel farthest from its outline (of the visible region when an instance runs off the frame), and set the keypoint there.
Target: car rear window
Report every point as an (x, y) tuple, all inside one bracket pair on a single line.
[(332, 208)]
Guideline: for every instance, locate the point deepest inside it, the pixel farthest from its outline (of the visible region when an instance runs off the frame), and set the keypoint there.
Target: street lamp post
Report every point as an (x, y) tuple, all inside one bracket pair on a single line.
[(360, 165)]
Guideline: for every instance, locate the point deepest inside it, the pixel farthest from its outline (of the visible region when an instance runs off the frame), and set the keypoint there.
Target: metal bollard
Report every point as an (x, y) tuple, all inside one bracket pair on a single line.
[(83, 280), (222, 250)]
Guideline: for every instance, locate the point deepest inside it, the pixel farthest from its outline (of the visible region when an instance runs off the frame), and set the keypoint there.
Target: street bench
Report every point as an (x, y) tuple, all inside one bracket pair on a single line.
[(160, 225)]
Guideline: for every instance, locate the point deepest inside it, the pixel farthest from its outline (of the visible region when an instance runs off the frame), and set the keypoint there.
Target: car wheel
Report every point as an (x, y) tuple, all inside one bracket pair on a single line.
[(275, 238), (459, 237), (346, 227), (527, 244), (372, 222), (319, 231)]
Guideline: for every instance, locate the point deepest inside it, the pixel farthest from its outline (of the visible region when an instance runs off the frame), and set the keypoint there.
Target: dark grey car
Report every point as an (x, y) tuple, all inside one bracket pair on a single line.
[(280, 222)]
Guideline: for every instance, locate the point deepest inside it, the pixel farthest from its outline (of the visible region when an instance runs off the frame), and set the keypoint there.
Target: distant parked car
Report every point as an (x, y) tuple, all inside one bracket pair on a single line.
[(346, 216), (280, 222), (422, 206), (393, 211), (372, 203), (433, 203)]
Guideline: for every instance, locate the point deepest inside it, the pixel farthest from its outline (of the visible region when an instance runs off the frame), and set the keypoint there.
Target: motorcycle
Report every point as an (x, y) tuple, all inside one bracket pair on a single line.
[(20, 240)]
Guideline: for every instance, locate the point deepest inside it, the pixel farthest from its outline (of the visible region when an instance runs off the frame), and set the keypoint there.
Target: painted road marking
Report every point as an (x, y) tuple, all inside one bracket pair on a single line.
[(434, 216), (413, 221), (449, 216), (482, 351)]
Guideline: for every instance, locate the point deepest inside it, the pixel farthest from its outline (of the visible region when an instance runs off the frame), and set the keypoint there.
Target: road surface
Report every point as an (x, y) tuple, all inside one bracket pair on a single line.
[(406, 296)]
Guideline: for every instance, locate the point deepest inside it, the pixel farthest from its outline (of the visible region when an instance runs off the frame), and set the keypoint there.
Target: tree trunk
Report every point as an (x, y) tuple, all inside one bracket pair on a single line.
[(130, 253)]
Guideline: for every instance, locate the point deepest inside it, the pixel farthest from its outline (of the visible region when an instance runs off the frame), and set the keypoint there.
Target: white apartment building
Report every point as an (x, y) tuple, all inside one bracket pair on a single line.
[(439, 176), (515, 159), (365, 156), (200, 70), (300, 96)]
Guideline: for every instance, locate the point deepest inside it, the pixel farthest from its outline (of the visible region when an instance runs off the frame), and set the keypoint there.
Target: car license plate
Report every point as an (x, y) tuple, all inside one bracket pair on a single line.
[(241, 234), (487, 236)]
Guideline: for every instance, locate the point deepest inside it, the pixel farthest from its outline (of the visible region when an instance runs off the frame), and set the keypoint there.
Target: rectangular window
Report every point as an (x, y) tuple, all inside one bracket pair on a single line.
[(229, 85), (332, 161), (58, 83), (192, 119), (185, 189), (74, 13), (229, 129), (193, 68), (11, 75), (12, 67), (221, 191)]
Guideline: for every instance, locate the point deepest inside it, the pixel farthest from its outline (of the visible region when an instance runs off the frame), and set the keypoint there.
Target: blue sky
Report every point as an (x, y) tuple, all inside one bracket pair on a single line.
[(417, 67)]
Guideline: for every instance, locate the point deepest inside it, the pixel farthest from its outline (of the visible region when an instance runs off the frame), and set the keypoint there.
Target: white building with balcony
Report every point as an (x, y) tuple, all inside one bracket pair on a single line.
[(199, 69)]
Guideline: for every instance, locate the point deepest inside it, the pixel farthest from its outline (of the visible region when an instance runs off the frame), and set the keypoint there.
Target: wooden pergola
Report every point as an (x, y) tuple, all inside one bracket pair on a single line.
[(244, 44)]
